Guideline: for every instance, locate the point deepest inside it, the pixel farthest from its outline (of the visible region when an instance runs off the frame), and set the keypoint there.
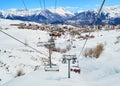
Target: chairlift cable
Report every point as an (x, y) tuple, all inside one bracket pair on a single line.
[(99, 12), (44, 4), (55, 5), (22, 42), (93, 24), (40, 2), (24, 5)]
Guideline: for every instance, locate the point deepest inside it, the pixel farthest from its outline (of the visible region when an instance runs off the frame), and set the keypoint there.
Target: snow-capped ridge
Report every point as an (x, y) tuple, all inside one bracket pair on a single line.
[(114, 11), (60, 15), (108, 15), (61, 11)]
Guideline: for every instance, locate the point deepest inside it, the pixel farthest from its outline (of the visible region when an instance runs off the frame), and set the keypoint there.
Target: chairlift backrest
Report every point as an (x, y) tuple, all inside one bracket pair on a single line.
[(53, 67), (75, 69)]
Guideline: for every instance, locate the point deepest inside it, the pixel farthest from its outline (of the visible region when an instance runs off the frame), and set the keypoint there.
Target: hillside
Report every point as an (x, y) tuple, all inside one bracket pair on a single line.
[(15, 56)]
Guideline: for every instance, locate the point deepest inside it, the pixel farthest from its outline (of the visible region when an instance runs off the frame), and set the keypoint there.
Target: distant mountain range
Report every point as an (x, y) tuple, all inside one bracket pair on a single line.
[(108, 15)]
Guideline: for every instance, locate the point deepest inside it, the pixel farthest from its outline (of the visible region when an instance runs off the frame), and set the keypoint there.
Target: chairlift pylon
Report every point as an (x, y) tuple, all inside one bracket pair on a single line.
[(51, 67)]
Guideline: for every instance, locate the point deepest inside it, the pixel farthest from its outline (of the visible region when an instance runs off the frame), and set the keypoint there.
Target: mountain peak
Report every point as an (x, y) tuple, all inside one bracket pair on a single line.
[(109, 13), (61, 11)]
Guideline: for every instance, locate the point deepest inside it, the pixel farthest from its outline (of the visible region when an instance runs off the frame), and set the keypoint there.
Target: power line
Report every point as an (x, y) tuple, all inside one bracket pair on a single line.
[(55, 5), (22, 42), (44, 4), (40, 2), (93, 24), (26, 10), (24, 4)]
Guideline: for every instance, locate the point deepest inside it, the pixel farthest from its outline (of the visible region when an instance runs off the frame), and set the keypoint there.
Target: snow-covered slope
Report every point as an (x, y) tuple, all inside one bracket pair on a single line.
[(104, 71), (14, 56)]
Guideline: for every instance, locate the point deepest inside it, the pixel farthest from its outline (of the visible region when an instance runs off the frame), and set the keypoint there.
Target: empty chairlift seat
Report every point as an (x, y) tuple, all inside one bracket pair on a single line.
[(40, 44), (53, 67)]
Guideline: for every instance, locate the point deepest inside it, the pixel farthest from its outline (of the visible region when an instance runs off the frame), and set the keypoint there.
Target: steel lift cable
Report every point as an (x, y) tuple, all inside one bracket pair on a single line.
[(93, 24)]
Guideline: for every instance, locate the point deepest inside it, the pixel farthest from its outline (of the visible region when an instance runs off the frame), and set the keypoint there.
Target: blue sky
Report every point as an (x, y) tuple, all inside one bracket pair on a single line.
[(74, 5)]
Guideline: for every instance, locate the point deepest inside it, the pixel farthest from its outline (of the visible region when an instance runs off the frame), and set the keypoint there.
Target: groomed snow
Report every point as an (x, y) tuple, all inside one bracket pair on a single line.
[(104, 71)]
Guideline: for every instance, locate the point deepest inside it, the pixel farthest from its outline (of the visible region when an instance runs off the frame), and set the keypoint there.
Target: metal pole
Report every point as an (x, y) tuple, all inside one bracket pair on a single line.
[(69, 68), (69, 59), (50, 56)]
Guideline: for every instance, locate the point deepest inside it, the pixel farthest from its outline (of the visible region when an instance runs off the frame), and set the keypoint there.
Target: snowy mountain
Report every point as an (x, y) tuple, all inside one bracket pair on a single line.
[(37, 15), (113, 11), (108, 15), (62, 12)]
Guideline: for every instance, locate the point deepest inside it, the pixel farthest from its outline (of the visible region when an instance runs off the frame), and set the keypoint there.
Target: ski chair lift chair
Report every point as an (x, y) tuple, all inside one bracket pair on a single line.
[(73, 45), (40, 44), (54, 67), (75, 69)]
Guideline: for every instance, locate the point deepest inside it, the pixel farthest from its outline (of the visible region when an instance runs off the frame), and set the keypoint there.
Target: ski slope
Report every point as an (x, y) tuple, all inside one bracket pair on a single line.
[(94, 72)]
